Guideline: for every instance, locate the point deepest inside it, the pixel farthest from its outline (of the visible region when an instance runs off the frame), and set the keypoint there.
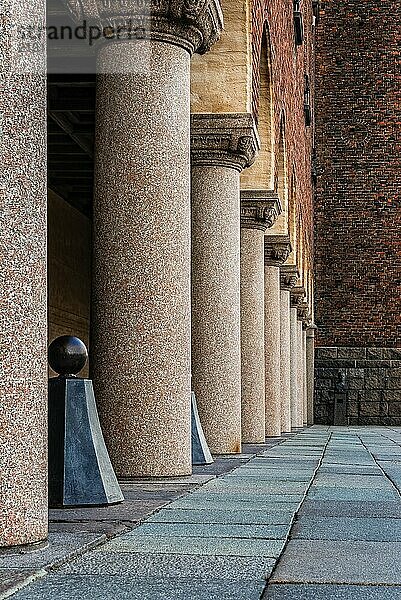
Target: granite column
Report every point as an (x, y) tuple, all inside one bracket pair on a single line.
[(259, 210), (23, 282), (297, 301), (289, 276), (294, 366), (277, 250), (140, 337), (310, 370), (222, 145), (304, 375)]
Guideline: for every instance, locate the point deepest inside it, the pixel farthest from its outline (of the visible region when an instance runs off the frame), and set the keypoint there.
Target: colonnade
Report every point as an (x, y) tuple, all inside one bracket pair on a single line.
[(188, 291)]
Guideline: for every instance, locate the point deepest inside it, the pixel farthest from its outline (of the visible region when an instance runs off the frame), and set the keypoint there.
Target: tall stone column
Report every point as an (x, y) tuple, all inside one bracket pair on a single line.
[(302, 307), (294, 366), (23, 297), (277, 250), (303, 312), (289, 275), (222, 145), (300, 374), (141, 239), (259, 210), (305, 392), (310, 371)]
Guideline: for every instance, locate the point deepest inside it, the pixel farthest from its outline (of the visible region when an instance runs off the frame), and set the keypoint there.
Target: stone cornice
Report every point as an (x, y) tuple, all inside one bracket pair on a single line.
[(192, 24), (227, 139), (289, 275), (259, 209), (277, 249)]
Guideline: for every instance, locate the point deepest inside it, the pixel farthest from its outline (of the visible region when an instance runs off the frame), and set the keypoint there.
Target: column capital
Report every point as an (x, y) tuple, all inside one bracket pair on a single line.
[(303, 312), (259, 209), (227, 139), (298, 294), (311, 329), (289, 275), (192, 24), (277, 249)]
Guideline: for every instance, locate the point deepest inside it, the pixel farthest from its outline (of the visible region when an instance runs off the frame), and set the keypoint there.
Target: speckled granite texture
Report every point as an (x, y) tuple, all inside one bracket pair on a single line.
[(259, 211), (216, 353), (310, 375), (305, 390), (221, 146), (141, 284), (300, 374), (252, 335), (23, 301), (272, 350), (285, 360), (294, 368)]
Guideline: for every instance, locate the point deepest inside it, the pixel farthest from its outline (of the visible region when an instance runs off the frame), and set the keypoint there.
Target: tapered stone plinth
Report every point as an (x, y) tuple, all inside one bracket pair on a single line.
[(222, 145), (259, 211), (141, 277), (277, 249), (288, 278), (23, 298)]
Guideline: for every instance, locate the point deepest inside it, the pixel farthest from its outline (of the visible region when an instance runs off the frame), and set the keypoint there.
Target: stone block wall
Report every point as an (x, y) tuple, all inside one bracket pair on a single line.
[(370, 378)]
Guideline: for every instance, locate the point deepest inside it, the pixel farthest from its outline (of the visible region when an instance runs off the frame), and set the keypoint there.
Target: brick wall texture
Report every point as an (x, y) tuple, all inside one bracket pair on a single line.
[(358, 195), (289, 65)]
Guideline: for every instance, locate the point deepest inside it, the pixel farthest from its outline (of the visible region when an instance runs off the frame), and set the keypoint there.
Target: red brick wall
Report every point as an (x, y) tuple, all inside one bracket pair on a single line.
[(358, 200), (289, 65)]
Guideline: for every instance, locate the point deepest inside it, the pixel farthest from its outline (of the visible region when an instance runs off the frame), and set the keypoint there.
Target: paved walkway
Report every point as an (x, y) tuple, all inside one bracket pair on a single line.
[(316, 517)]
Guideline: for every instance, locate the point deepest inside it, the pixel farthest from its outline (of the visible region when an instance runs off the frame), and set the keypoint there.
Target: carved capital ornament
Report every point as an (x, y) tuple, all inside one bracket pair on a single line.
[(227, 139), (289, 275), (192, 24), (259, 209), (277, 249)]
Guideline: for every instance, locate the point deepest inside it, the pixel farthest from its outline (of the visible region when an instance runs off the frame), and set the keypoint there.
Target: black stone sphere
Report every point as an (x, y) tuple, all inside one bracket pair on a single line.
[(67, 355)]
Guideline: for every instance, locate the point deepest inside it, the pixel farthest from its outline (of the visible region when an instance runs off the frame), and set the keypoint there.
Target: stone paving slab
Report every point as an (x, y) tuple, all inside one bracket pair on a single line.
[(247, 501), (172, 567), (239, 516), (338, 493), (352, 481), (349, 508), (350, 469), (135, 542), (348, 528), (60, 546), (340, 562), (243, 486), (130, 510), (103, 587), (216, 530), (331, 592)]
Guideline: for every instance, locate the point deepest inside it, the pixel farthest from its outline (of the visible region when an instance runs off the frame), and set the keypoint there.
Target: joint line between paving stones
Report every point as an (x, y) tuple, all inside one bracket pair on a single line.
[(39, 574), (296, 514), (378, 464)]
